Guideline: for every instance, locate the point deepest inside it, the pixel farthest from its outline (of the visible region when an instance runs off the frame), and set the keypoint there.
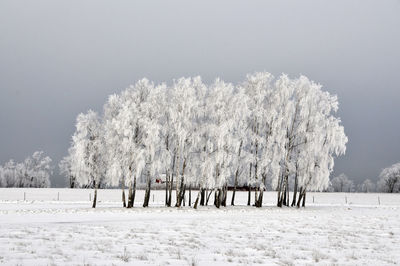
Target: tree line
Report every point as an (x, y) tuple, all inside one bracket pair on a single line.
[(208, 137), (34, 171), (388, 182)]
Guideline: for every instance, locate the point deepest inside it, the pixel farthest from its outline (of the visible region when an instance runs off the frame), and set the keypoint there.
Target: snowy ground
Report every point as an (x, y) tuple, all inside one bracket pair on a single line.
[(43, 230)]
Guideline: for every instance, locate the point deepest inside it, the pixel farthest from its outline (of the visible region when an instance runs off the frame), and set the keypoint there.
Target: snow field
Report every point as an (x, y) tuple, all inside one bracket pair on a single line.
[(44, 231), (157, 197)]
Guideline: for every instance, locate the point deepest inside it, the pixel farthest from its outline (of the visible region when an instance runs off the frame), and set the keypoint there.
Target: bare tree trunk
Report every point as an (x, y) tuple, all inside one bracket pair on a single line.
[(133, 190), (71, 181), (249, 196), (183, 197), (300, 197), (197, 199), (190, 196), (208, 197), (255, 196), (170, 190), (177, 192), (236, 176), (123, 196), (256, 168), (279, 188), (167, 172), (123, 191), (147, 192), (171, 182), (256, 188), (95, 195), (202, 196), (284, 189), (233, 197), (295, 190), (180, 187), (304, 199), (287, 192), (260, 198), (217, 199), (166, 188), (284, 195), (224, 195), (130, 192), (234, 188)]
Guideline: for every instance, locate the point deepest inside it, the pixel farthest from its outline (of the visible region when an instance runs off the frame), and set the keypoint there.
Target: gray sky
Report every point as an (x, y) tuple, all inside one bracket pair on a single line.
[(60, 58)]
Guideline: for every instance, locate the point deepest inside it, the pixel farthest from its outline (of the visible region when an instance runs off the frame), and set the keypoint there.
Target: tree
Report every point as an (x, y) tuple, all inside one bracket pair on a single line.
[(37, 170), (264, 102), (118, 135), (314, 137), (182, 112), (241, 155), (34, 171), (341, 183), (2, 179), (9, 174), (368, 186), (264, 131), (88, 151), (65, 167), (389, 179), (151, 143)]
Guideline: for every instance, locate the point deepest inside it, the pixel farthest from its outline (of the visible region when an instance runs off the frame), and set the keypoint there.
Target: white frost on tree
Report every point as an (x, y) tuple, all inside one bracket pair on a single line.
[(341, 183), (88, 152), (389, 179), (264, 131), (368, 186), (65, 167), (34, 171)]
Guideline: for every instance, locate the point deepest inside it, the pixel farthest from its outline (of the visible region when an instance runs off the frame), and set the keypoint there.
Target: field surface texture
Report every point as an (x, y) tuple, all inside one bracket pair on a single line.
[(59, 227)]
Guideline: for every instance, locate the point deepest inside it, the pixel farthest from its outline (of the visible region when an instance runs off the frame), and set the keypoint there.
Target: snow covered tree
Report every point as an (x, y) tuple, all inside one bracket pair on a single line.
[(117, 136), (65, 167), (258, 89), (341, 183), (314, 136), (182, 111), (34, 171), (37, 170), (241, 155), (2, 179), (88, 151), (269, 107), (168, 146), (151, 141), (131, 123), (221, 137), (367, 186), (389, 179), (277, 131), (9, 176)]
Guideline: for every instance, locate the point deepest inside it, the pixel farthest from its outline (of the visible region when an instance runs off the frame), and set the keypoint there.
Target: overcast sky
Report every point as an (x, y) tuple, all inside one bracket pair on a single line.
[(60, 58)]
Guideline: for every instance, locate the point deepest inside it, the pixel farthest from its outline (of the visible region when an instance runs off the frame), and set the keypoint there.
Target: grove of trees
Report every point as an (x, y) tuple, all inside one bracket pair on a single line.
[(389, 179), (278, 131), (342, 183), (34, 171), (367, 186)]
